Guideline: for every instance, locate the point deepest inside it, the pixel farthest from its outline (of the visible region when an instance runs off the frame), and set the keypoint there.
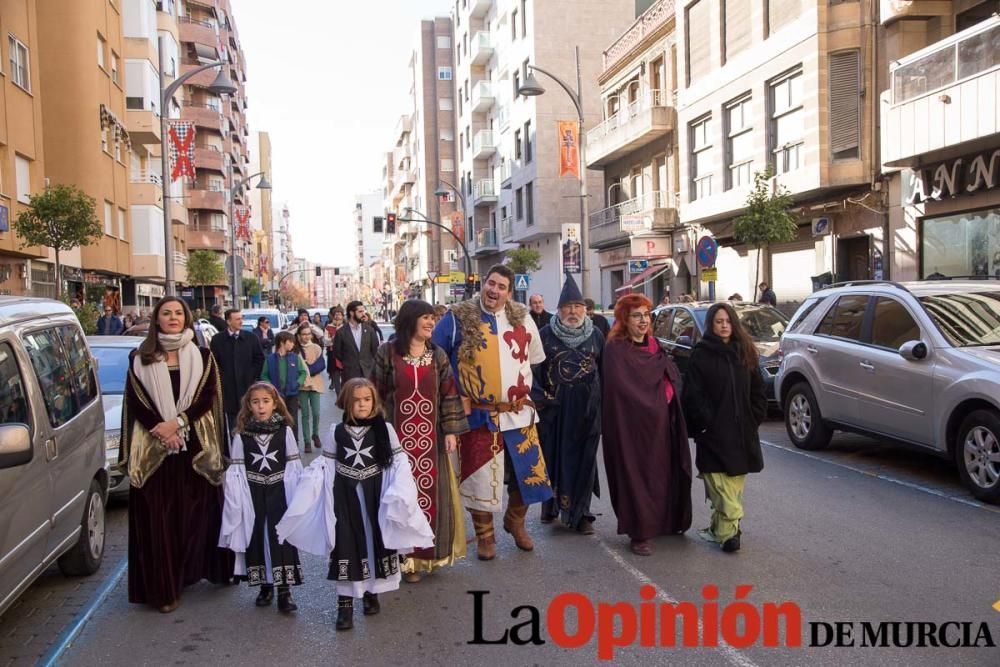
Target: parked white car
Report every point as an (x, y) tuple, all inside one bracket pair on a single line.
[(112, 354)]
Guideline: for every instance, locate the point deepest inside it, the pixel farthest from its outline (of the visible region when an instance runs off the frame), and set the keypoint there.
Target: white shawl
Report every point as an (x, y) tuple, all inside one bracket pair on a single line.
[(155, 377)]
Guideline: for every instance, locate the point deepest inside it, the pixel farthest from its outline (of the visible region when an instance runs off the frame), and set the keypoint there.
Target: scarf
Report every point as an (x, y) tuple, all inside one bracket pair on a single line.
[(155, 377), (268, 426), (570, 336), (379, 429)]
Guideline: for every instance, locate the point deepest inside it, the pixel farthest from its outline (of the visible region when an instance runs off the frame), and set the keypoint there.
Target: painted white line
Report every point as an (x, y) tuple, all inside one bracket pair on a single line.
[(732, 656), (887, 478)]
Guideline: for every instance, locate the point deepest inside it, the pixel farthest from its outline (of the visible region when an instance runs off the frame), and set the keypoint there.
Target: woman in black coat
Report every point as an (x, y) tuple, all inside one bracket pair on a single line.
[(724, 404)]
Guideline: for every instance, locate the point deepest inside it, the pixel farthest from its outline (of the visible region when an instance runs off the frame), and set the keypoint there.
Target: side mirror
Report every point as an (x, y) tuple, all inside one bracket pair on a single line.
[(15, 445), (685, 341), (913, 350)]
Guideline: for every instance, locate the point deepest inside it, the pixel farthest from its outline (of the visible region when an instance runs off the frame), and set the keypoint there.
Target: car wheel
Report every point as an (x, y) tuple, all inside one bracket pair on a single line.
[(86, 555), (977, 454), (803, 420)]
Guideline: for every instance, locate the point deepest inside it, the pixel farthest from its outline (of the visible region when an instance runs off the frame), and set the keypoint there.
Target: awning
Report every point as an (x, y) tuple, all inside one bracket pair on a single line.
[(205, 52), (641, 279)]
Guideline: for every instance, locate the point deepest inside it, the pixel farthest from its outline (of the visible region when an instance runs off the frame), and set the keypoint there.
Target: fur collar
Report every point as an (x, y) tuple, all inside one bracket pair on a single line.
[(468, 316)]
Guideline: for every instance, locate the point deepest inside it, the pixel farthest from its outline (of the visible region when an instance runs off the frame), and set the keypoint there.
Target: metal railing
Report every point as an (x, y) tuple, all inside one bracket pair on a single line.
[(486, 238), (146, 176), (646, 202), (484, 188), (646, 100), (180, 259), (483, 139), (188, 19), (507, 228)]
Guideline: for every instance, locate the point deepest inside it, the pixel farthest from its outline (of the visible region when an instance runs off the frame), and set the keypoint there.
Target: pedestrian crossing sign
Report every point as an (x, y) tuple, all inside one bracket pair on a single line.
[(521, 282)]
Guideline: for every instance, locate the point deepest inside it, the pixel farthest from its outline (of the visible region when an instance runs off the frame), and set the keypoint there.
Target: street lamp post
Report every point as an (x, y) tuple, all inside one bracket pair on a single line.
[(531, 88), (444, 187), (221, 86), (468, 258), (263, 184)]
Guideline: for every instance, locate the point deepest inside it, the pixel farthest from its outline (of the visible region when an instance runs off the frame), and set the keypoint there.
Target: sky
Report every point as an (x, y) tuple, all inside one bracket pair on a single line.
[(327, 79)]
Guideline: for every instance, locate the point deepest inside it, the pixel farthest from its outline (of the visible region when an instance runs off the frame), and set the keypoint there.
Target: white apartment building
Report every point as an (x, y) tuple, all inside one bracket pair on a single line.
[(369, 242), (508, 148), (786, 83), (940, 137)]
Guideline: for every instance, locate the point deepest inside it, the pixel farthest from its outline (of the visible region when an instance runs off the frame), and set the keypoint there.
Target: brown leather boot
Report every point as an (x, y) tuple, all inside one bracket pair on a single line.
[(513, 522), (486, 543)]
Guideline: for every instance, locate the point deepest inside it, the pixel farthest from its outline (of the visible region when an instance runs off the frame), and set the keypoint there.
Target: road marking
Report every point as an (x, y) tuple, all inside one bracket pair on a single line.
[(731, 655), (69, 635), (997, 605), (887, 478)]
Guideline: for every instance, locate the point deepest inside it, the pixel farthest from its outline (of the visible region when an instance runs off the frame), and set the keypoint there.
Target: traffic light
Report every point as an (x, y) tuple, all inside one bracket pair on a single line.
[(377, 224), (336, 271), (390, 223), (319, 271)]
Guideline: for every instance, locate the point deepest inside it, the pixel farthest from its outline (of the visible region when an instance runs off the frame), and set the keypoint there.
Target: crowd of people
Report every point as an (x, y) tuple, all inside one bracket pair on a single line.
[(461, 405)]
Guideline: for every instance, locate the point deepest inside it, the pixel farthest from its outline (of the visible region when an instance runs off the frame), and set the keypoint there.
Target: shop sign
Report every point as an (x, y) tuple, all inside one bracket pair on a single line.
[(650, 246), (72, 273), (952, 178)]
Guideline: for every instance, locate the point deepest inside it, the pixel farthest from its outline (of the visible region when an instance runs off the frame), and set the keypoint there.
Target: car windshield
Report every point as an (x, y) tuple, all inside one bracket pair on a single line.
[(763, 323), (112, 368), (250, 317), (966, 319)]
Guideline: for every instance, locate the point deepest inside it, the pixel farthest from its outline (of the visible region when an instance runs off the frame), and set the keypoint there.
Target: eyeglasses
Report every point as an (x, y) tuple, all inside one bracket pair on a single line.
[(640, 316)]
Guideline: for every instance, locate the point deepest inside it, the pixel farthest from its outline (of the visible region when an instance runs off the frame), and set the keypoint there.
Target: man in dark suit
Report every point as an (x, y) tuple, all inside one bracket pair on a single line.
[(355, 344), (215, 319), (240, 359)]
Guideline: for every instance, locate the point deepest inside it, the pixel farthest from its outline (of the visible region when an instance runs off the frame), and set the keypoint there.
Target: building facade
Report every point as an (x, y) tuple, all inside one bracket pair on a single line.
[(940, 137), (508, 144), (261, 213), (369, 242)]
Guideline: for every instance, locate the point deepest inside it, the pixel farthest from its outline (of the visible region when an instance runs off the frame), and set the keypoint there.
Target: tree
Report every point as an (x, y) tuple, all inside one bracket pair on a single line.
[(204, 269), (524, 260), (86, 313), (294, 294), (768, 218), (251, 288), (61, 217)]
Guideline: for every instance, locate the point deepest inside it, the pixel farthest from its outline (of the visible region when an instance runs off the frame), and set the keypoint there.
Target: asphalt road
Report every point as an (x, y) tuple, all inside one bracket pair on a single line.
[(859, 533)]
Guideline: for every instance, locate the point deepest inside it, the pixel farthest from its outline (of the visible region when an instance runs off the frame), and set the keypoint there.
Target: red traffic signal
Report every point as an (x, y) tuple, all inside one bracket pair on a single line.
[(390, 223)]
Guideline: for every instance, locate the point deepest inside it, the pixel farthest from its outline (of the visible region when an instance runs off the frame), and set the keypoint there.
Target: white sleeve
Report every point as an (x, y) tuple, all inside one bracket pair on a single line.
[(237, 510), (404, 525), (293, 466), (309, 523), (536, 351)]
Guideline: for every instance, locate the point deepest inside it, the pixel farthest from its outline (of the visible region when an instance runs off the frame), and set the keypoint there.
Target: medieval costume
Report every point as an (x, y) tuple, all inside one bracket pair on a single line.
[(724, 402), (492, 354), (260, 482), (175, 498), (646, 453), (568, 393), (357, 503), (420, 399)]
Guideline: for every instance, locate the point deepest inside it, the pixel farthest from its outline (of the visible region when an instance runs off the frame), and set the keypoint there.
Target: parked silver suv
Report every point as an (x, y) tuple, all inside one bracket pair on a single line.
[(917, 363)]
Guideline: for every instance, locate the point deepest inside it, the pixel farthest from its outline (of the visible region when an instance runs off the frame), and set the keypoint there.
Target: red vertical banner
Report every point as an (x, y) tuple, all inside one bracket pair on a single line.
[(569, 148), (181, 134), (242, 214)]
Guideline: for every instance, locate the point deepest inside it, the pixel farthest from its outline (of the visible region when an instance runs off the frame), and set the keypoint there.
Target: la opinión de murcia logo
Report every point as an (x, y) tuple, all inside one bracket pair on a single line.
[(572, 621)]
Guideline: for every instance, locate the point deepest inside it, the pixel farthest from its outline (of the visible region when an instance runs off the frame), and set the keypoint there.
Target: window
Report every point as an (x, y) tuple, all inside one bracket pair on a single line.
[(781, 13), (513, 24), (109, 218), (63, 383), (447, 164), (804, 313), (845, 105), (444, 42), (519, 203), (20, 71), (787, 128), (22, 168), (699, 48), (845, 318), (524, 18), (81, 364), (529, 196), (104, 140), (447, 134), (445, 104), (13, 398), (960, 245), (516, 79), (114, 67), (701, 154), (682, 325), (100, 51), (517, 144), (739, 143), (444, 74), (527, 141), (736, 24), (660, 323), (121, 223), (893, 325), (460, 112)]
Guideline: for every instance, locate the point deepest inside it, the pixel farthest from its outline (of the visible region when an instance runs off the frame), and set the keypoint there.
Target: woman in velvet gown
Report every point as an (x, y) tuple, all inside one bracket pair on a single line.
[(172, 451)]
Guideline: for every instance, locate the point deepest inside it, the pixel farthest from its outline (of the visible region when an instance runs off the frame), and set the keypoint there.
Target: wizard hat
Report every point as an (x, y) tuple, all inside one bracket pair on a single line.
[(570, 292)]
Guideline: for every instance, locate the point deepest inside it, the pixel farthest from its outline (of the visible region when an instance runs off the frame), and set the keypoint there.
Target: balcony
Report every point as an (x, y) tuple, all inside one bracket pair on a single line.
[(194, 31), (484, 192), (143, 126), (486, 242), (482, 48), (203, 115), (145, 188), (891, 11), (651, 212), (632, 40), (180, 267), (483, 144), (507, 169), (206, 239), (482, 97), (479, 8), (942, 99), (211, 200), (648, 118), (208, 157), (201, 79), (148, 266), (507, 229), (403, 128)]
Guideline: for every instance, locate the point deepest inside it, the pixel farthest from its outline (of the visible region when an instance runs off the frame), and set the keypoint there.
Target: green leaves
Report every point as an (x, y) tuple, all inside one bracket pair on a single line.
[(524, 260), (768, 217), (61, 217), (204, 268)]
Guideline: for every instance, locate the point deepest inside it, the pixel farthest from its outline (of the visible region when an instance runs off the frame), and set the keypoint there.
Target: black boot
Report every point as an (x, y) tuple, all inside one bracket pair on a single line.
[(265, 596), (371, 605), (345, 612), (732, 545), (285, 604)]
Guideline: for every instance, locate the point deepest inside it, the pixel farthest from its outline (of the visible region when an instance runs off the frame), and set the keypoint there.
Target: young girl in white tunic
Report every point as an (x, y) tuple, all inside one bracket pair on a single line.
[(357, 503)]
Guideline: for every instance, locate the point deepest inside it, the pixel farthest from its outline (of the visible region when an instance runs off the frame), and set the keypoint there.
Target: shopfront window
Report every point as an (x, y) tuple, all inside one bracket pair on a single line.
[(965, 244)]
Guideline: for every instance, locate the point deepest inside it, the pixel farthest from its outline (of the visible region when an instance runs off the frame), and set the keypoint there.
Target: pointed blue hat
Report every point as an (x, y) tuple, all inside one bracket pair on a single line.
[(570, 292)]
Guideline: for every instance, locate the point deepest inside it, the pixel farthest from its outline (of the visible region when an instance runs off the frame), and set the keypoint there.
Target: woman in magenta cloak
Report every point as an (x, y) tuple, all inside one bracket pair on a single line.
[(646, 451)]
